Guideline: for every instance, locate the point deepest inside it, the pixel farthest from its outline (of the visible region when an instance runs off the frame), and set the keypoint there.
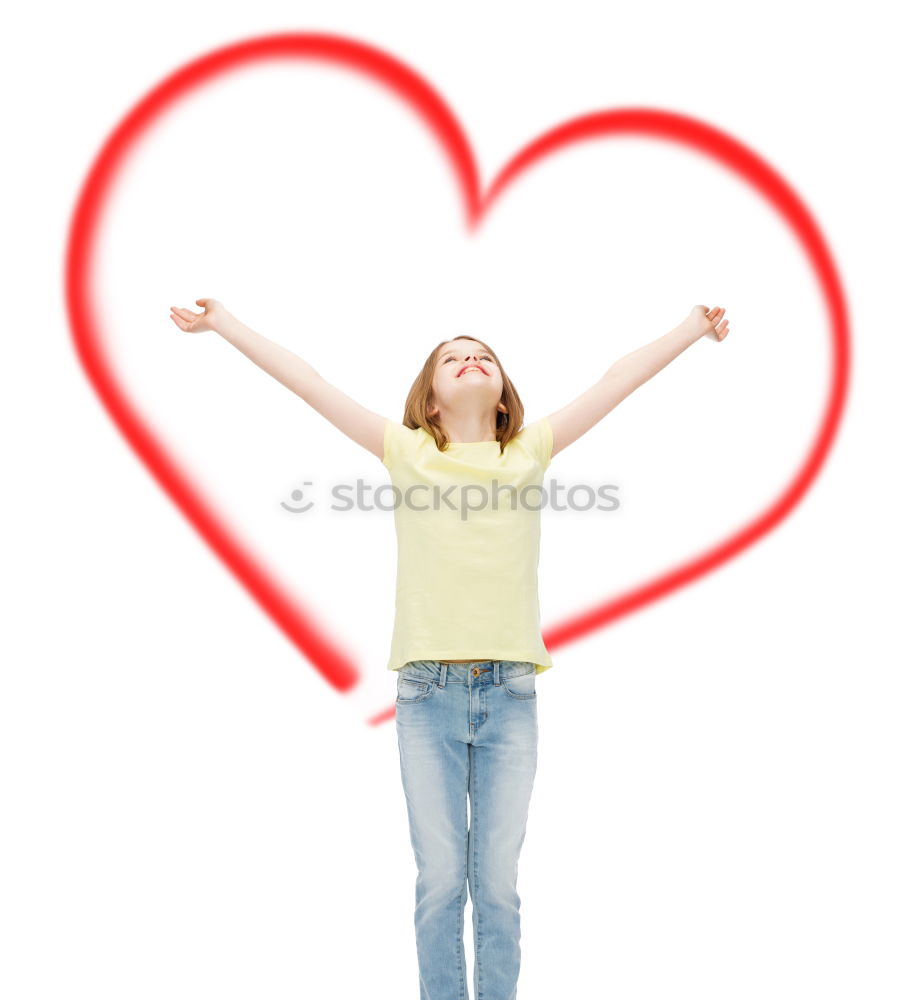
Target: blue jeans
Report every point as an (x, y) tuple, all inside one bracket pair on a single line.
[(467, 729)]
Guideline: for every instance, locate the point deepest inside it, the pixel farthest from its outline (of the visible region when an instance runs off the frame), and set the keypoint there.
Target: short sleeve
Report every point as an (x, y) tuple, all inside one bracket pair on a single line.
[(538, 438), (388, 440), (398, 439), (546, 441)]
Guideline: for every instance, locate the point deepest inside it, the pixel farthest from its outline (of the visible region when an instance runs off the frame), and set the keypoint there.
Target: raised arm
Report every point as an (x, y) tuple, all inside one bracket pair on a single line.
[(358, 423), (630, 371)]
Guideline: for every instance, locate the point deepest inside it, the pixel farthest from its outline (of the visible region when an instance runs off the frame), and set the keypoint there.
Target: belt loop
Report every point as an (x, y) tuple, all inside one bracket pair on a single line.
[(443, 681), (496, 673)]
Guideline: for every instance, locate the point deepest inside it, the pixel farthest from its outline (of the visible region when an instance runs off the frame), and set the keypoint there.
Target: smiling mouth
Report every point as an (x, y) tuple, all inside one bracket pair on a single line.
[(471, 368)]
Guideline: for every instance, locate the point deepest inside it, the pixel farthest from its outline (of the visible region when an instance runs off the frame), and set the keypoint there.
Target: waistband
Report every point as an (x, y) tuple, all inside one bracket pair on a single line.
[(442, 672)]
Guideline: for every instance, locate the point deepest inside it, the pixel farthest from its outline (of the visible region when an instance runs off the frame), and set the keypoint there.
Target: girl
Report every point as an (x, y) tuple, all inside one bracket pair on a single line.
[(466, 644)]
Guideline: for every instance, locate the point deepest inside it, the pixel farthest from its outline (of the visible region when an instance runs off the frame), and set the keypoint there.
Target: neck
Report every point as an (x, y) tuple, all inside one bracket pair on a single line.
[(462, 429)]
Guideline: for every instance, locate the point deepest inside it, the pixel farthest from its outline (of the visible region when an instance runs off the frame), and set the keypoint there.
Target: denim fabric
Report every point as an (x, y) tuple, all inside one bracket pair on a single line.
[(467, 729)]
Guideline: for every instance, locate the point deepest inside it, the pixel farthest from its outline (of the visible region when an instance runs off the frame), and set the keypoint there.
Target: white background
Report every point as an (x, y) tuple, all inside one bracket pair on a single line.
[(188, 809)]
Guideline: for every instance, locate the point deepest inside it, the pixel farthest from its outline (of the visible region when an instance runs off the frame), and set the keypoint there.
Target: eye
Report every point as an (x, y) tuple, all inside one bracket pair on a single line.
[(452, 357)]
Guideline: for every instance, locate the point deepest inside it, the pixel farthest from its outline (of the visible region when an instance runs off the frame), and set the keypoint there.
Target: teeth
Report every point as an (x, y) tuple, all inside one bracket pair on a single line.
[(471, 368)]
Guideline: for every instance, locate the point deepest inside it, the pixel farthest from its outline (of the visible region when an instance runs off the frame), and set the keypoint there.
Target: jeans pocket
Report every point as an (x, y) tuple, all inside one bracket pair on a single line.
[(521, 685), (413, 689)]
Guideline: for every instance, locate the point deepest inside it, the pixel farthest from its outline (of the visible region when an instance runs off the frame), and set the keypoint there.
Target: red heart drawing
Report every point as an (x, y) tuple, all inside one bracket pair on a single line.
[(381, 68)]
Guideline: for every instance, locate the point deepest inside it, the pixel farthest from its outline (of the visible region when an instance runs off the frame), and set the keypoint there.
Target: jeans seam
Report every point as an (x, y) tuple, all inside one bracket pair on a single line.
[(459, 942), (476, 898)]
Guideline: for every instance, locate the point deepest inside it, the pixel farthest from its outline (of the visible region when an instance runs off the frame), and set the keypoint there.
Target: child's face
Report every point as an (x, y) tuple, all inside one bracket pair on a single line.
[(466, 373)]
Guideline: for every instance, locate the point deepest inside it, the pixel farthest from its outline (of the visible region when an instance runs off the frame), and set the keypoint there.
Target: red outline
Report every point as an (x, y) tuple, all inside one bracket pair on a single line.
[(379, 67)]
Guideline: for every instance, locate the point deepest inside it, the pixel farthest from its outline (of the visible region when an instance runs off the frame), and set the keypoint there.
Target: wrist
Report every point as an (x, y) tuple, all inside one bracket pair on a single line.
[(220, 319)]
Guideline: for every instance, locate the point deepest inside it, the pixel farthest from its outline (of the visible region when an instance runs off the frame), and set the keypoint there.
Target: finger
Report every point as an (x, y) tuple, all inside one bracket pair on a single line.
[(184, 323)]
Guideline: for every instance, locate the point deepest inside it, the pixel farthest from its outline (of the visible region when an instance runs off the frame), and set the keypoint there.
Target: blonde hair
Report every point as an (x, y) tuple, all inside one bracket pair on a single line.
[(419, 400)]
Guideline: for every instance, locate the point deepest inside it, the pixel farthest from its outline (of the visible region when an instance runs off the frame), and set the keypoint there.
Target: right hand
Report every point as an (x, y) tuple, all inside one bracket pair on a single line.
[(192, 322), (710, 322)]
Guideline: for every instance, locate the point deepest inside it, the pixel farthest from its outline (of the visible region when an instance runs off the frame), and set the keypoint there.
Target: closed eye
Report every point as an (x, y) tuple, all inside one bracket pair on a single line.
[(451, 357)]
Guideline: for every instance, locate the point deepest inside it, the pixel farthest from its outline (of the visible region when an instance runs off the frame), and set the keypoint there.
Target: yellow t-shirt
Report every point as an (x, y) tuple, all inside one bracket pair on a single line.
[(467, 559)]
